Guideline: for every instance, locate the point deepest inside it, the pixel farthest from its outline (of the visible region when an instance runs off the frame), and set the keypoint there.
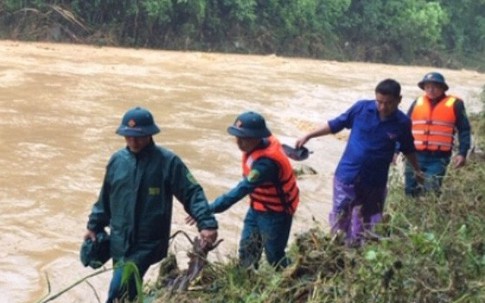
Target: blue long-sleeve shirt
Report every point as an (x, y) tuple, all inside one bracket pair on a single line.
[(262, 170), (371, 144)]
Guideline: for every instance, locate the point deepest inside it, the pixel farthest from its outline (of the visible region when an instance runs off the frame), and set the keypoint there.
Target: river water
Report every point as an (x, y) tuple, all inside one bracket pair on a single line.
[(60, 106)]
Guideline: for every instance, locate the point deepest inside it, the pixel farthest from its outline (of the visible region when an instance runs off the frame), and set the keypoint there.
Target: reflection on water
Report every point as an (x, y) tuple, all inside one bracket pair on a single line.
[(60, 105)]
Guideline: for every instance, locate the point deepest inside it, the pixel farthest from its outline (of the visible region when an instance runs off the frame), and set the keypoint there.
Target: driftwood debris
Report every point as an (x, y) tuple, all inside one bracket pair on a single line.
[(177, 281)]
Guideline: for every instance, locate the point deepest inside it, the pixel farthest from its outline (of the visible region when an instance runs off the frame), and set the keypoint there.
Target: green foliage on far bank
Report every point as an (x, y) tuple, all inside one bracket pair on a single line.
[(441, 32)]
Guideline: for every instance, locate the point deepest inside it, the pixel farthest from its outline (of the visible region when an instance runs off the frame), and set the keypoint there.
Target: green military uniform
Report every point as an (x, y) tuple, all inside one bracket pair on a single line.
[(136, 203)]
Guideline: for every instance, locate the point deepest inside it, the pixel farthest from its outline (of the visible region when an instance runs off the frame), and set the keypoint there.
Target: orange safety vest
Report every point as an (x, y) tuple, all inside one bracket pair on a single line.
[(282, 196), (434, 127)]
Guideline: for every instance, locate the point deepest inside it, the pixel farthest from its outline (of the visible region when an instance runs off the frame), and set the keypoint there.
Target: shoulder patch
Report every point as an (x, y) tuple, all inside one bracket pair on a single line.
[(253, 175)]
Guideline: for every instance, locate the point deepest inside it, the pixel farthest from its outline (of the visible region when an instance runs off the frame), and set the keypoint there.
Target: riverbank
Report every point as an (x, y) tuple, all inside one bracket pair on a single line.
[(61, 104), (430, 249)]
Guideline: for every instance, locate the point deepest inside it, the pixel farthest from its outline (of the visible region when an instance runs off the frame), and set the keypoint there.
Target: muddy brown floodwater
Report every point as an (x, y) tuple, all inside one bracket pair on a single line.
[(60, 106)]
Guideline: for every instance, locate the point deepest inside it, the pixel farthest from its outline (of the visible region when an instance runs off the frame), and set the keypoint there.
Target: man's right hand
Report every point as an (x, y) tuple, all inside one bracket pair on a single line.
[(90, 235), (300, 142)]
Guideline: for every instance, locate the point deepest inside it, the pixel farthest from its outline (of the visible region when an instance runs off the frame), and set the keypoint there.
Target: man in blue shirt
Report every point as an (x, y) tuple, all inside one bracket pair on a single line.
[(360, 181)]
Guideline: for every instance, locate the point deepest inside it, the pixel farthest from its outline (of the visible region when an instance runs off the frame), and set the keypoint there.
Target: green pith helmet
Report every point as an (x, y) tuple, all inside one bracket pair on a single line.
[(434, 78), (249, 125), (137, 122)]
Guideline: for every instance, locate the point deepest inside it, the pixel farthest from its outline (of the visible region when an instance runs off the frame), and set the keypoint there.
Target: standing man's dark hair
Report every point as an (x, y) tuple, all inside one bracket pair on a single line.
[(389, 87)]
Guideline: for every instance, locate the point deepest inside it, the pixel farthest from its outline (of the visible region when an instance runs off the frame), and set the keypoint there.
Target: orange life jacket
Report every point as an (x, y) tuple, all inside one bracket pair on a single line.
[(282, 196), (434, 127)]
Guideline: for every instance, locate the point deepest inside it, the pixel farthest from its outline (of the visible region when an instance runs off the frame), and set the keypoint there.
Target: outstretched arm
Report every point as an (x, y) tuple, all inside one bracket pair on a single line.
[(263, 170), (322, 131)]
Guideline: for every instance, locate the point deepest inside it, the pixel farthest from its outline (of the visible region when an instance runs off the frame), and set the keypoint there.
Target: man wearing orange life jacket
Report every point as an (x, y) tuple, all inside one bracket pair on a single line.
[(436, 117), (270, 182)]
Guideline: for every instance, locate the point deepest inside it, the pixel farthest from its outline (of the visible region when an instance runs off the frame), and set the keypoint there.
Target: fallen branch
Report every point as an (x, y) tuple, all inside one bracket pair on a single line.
[(198, 259), (55, 296)]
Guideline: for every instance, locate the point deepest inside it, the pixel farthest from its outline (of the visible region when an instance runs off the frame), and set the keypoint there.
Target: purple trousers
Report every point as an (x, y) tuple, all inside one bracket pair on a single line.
[(356, 209)]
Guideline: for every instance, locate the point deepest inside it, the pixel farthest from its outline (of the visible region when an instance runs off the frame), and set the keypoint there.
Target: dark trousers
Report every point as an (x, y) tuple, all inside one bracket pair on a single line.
[(118, 291), (265, 230), (434, 169)]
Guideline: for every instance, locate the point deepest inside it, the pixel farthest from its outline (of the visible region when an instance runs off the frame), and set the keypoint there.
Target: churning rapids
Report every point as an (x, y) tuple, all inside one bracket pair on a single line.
[(60, 106)]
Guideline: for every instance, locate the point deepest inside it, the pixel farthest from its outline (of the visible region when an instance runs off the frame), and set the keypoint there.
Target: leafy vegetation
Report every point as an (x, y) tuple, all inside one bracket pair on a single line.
[(430, 249), (432, 32)]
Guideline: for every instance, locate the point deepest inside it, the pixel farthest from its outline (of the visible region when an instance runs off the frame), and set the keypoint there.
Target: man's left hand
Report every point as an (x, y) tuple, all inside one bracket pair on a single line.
[(459, 161), (208, 237)]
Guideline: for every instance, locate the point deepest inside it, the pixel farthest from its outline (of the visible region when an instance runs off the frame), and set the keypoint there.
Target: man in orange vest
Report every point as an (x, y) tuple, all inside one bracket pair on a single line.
[(270, 182), (436, 117)]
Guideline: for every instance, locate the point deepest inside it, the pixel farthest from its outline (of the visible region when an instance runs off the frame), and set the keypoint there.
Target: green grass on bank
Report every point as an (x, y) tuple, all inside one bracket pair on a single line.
[(431, 249)]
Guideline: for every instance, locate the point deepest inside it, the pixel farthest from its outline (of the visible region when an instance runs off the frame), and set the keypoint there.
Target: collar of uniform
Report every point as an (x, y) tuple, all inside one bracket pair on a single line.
[(261, 145), (147, 150), (439, 99)]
